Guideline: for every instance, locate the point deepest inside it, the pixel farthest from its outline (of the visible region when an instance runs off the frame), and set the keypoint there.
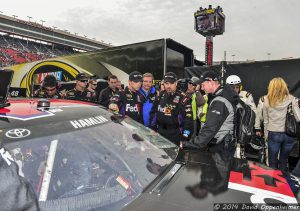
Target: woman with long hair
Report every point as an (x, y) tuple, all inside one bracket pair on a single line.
[(273, 108)]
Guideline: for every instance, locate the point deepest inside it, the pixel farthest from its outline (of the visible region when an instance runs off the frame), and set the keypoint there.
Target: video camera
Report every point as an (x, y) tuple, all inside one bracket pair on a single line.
[(182, 84)]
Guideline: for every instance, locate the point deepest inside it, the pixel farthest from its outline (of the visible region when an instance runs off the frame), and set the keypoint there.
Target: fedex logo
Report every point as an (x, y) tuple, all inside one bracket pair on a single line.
[(161, 109), (166, 110), (131, 108)]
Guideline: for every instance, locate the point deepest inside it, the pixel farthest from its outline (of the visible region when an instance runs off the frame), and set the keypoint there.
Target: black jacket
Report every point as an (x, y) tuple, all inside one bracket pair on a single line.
[(86, 95), (217, 114), (40, 93), (105, 96)]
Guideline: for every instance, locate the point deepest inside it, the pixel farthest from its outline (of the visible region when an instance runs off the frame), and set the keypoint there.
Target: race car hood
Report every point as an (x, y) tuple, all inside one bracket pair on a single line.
[(205, 181)]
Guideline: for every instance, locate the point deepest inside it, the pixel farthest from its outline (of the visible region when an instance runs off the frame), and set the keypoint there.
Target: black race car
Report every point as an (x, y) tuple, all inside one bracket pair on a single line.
[(79, 156)]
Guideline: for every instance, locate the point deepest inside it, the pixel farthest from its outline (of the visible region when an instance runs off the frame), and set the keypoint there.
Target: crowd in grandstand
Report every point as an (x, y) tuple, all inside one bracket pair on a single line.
[(15, 50)]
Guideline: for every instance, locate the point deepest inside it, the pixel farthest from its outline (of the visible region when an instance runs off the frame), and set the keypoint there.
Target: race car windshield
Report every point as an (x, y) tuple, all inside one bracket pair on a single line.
[(107, 165)]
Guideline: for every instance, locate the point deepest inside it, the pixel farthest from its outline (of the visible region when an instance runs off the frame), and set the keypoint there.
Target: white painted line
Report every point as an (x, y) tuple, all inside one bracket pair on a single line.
[(48, 171)]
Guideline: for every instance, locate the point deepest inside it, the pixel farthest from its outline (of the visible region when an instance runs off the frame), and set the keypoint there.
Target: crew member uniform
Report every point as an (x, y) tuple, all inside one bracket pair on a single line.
[(129, 103), (174, 116), (86, 95), (40, 93)]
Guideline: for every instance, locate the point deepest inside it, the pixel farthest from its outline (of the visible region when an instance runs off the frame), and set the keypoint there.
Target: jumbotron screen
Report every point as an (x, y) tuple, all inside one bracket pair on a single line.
[(210, 22)]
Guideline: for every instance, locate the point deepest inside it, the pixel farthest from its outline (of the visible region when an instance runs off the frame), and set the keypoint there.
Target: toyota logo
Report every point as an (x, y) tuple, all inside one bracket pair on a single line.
[(18, 133)]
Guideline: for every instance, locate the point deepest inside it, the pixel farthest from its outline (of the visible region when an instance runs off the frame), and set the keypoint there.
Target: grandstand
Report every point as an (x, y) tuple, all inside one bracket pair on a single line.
[(24, 41), (17, 50)]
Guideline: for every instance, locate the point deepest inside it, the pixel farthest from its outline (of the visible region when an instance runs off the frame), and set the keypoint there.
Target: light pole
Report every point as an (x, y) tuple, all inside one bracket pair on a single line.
[(29, 17), (233, 57), (15, 16), (269, 55)]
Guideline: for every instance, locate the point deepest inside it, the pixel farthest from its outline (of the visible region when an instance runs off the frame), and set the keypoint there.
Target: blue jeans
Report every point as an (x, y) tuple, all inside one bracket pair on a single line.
[(279, 142)]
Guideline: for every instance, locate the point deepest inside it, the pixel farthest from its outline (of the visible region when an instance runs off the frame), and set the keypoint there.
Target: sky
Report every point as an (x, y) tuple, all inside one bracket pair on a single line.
[(254, 29)]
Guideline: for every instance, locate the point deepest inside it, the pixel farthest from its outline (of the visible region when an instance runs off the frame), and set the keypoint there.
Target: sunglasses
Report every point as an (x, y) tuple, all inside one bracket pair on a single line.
[(94, 84), (84, 81), (50, 90)]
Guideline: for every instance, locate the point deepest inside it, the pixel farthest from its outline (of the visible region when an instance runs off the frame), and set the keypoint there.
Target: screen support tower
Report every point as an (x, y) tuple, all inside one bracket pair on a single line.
[(209, 22), (209, 50)]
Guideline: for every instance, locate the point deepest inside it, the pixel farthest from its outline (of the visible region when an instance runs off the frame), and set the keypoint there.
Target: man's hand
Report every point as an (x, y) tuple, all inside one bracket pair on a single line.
[(63, 93), (186, 133), (258, 133)]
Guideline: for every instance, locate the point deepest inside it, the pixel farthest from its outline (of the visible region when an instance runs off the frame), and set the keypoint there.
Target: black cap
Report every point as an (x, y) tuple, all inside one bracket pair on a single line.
[(194, 80), (170, 77), (81, 76), (209, 76), (135, 76)]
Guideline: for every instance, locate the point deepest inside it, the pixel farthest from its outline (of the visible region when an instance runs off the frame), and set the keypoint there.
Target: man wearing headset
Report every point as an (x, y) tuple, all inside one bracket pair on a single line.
[(49, 88), (245, 96)]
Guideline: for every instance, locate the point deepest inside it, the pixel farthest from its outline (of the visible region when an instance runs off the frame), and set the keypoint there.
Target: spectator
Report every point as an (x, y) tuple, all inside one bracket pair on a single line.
[(272, 108), (161, 87), (148, 96), (119, 85), (296, 171), (107, 93)]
